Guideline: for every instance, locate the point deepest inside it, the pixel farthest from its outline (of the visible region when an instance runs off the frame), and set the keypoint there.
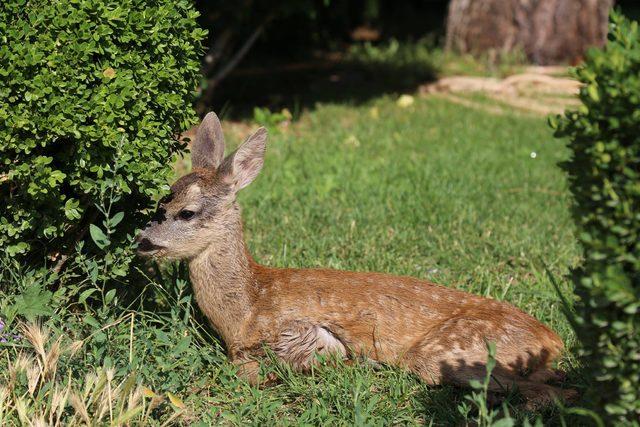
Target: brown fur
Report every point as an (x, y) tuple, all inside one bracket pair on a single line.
[(437, 332)]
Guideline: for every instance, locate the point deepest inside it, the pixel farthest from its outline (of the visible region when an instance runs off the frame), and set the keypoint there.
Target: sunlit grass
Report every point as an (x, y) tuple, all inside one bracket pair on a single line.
[(453, 195), (447, 193)]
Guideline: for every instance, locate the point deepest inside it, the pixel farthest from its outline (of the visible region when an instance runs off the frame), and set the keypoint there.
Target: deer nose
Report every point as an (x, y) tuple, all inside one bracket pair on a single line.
[(144, 244)]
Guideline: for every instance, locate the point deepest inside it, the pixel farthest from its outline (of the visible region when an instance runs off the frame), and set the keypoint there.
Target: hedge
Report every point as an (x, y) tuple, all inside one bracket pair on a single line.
[(604, 173), (92, 96)]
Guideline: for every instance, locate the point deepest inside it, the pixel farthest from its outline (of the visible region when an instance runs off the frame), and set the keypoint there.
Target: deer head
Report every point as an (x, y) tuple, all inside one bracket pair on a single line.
[(201, 209)]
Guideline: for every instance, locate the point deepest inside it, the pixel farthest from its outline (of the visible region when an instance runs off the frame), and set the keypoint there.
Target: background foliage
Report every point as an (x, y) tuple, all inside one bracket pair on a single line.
[(604, 176), (92, 96)]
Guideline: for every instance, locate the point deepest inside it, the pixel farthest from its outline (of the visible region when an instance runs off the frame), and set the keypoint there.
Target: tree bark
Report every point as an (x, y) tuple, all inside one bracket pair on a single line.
[(547, 31)]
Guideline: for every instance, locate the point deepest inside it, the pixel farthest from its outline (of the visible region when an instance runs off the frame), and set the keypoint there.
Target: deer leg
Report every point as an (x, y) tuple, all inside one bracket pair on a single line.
[(540, 395), (249, 370), (547, 375)]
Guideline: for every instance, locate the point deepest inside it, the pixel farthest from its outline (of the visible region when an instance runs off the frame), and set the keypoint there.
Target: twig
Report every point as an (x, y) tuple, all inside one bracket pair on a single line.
[(60, 263), (83, 231), (131, 340)]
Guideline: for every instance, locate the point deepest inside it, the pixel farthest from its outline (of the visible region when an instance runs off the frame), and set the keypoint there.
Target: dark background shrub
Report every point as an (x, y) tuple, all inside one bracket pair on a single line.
[(300, 43), (605, 180), (92, 96)]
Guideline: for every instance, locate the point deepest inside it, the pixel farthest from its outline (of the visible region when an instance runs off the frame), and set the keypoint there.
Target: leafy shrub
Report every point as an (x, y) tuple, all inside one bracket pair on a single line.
[(604, 176), (415, 61), (92, 96)]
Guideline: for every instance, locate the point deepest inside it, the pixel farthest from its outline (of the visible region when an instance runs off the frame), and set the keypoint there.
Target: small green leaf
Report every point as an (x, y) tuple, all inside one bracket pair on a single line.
[(99, 238), (115, 220), (475, 384), (109, 296), (33, 302), (86, 294), (504, 422), (91, 321), (592, 90)]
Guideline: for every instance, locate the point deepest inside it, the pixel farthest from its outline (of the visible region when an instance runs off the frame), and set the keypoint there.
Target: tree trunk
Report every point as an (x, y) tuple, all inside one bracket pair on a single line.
[(547, 31)]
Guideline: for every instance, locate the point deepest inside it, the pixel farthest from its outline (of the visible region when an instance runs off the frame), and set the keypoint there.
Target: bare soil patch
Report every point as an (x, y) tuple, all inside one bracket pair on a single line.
[(539, 90)]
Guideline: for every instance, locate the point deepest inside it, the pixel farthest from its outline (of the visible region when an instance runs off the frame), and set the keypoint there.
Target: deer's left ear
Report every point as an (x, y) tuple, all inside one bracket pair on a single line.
[(207, 151), (244, 165)]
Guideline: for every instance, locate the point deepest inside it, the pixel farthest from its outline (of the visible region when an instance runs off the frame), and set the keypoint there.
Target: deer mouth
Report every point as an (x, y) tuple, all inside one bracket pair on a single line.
[(147, 248)]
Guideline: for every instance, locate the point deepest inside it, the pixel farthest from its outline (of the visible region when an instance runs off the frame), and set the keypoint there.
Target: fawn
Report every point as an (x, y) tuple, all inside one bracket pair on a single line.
[(438, 333)]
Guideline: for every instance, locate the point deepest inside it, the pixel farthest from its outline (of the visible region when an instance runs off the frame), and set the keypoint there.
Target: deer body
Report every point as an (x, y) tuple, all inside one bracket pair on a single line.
[(437, 332)]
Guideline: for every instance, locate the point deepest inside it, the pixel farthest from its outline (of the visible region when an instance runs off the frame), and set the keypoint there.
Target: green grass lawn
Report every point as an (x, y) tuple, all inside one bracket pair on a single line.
[(436, 191)]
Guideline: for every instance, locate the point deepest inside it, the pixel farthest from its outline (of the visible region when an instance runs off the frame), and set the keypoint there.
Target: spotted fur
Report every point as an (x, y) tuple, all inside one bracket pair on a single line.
[(437, 332)]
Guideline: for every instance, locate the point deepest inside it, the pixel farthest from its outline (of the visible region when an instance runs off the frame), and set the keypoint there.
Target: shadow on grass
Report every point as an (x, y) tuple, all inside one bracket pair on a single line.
[(440, 405), (299, 86)]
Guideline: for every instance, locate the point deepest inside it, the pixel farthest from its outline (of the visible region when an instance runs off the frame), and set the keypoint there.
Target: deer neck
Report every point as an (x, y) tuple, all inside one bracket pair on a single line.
[(222, 278)]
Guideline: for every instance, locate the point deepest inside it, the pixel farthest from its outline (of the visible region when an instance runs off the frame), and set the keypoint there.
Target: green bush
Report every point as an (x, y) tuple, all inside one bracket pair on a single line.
[(604, 172), (92, 96)]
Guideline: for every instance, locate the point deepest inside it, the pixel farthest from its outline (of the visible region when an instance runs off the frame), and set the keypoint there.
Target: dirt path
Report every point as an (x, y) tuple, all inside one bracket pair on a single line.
[(537, 91)]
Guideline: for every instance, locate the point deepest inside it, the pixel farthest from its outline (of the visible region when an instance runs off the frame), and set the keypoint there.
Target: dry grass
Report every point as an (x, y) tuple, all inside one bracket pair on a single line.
[(34, 392)]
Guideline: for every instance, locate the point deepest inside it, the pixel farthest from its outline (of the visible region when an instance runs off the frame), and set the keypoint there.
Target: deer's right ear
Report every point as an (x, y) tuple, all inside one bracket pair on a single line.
[(207, 151)]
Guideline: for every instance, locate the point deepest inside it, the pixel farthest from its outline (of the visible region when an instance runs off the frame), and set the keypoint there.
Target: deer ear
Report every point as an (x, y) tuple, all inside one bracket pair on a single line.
[(207, 151), (245, 163)]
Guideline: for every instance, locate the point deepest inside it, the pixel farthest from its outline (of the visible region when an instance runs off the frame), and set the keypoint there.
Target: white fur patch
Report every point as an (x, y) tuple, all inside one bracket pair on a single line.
[(299, 344), (194, 191)]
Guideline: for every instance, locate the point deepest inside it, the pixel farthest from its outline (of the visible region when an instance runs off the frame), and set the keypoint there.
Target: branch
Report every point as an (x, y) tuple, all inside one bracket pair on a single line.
[(234, 61), (79, 236)]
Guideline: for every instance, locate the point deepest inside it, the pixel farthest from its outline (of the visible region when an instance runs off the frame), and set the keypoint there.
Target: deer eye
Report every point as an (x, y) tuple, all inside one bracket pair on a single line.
[(186, 214)]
